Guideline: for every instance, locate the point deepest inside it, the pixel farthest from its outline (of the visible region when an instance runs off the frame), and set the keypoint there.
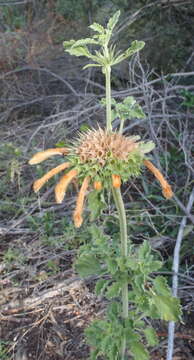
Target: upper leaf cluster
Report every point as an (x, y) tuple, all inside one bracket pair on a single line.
[(107, 55)]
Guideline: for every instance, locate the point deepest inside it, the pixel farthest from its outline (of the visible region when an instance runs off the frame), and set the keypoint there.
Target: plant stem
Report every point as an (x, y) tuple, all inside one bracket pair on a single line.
[(108, 98), (124, 252), (121, 126)]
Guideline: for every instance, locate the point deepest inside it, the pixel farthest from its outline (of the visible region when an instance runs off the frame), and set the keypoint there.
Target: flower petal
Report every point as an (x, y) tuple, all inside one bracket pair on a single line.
[(40, 182), (77, 216), (116, 181), (62, 185), (43, 155), (166, 188), (97, 185)]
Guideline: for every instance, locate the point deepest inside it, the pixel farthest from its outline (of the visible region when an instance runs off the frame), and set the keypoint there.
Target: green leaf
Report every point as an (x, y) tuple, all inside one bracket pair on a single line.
[(113, 21), (161, 286), (144, 251), (97, 27), (112, 265), (87, 265), (101, 286), (113, 290), (68, 44), (91, 65), (139, 351), (95, 204), (135, 46), (129, 100), (151, 336), (154, 265), (136, 112), (83, 42), (80, 51), (146, 147), (168, 307), (84, 127)]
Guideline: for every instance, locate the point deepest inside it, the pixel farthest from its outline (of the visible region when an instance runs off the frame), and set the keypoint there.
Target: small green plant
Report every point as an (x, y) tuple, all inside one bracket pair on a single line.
[(3, 350), (105, 159), (188, 99)]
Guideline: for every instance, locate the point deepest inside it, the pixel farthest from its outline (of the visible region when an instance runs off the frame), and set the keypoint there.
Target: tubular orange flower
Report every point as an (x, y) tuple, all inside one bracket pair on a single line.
[(62, 185), (77, 216), (116, 181), (166, 188), (97, 185), (40, 182), (43, 155)]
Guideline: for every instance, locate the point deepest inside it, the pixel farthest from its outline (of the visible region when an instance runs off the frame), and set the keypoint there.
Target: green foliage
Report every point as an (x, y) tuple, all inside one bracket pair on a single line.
[(4, 355), (150, 295), (13, 255), (119, 265), (96, 204), (12, 17), (107, 55), (128, 109), (189, 99)]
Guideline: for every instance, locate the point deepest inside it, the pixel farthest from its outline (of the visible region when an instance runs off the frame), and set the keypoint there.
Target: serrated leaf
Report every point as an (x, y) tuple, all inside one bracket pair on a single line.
[(154, 265), (83, 42), (129, 100), (132, 263), (137, 112), (80, 51), (95, 204), (113, 290), (146, 147), (112, 265), (87, 265), (144, 250), (68, 44), (161, 286), (135, 46), (113, 21), (101, 286), (151, 336), (139, 351), (168, 307), (97, 27)]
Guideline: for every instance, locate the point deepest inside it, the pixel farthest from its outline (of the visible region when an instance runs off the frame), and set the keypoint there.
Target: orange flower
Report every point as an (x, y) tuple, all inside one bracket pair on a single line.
[(116, 181), (40, 182), (43, 155), (62, 185), (77, 216), (97, 185), (166, 188)]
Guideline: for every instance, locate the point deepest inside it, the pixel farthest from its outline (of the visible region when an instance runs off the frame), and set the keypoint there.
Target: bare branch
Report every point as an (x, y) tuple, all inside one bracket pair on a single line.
[(175, 268)]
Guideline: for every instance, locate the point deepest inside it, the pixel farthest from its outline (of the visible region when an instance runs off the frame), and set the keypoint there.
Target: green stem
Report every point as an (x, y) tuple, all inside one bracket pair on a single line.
[(121, 126), (124, 252), (108, 98)]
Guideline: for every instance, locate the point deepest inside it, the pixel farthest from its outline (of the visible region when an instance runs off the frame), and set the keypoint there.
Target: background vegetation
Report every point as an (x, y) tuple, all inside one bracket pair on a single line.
[(45, 98)]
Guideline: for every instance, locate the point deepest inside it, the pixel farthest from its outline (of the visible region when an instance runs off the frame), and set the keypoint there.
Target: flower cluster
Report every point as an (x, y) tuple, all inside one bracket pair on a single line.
[(100, 158)]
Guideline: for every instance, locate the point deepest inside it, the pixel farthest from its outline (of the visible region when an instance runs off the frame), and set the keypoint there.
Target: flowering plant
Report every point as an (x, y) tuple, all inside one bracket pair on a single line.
[(104, 159)]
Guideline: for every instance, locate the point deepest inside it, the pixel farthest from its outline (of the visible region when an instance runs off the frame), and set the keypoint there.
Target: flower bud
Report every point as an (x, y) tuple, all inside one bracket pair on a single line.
[(116, 181), (97, 185)]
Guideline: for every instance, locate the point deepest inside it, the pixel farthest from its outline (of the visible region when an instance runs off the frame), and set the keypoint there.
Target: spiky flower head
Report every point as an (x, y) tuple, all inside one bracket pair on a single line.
[(101, 154), (102, 159)]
